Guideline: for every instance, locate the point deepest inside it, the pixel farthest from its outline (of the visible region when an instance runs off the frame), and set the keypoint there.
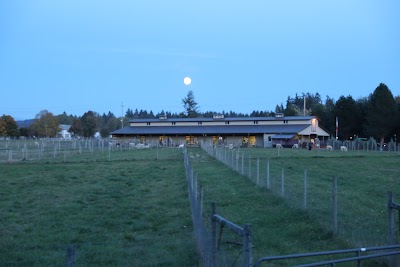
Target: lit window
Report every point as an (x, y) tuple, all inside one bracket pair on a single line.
[(313, 125)]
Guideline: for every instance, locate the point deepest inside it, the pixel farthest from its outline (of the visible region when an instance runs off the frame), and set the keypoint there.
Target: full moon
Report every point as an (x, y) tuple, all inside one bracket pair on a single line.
[(187, 80)]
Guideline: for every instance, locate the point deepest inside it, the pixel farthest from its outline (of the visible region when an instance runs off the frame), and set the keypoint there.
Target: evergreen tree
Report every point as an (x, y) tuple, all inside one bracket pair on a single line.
[(349, 117), (129, 113), (190, 106), (89, 124), (64, 118), (381, 112)]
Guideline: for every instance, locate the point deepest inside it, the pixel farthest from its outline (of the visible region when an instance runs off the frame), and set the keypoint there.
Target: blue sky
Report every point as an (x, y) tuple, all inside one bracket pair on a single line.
[(76, 55)]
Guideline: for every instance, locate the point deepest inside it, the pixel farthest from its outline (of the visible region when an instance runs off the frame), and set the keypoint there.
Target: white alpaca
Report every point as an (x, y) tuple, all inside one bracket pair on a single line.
[(131, 145), (328, 147), (181, 145), (37, 144), (343, 148), (140, 146), (295, 146), (279, 146)]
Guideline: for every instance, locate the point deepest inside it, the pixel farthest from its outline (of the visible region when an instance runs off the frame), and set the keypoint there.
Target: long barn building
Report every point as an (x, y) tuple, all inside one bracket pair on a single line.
[(220, 130)]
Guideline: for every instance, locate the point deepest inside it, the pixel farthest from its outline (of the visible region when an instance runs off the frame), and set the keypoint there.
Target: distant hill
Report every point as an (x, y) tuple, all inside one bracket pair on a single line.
[(25, 123)]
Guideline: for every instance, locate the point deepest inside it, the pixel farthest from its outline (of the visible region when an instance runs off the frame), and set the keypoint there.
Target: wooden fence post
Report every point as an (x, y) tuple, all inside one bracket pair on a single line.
[(335, 206), (225, 160), (247, 246), (391, 239), (213, 236), (71, 256), (393, 260), (10, 155)]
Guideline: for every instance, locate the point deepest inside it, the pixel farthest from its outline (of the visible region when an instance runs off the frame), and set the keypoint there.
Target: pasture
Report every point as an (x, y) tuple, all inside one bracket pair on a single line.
[(130, 211), (124, 207), (283, 228)]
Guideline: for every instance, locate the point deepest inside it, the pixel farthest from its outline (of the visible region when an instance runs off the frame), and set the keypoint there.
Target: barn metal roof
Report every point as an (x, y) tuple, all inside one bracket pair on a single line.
[(210, 130), (289, 118)]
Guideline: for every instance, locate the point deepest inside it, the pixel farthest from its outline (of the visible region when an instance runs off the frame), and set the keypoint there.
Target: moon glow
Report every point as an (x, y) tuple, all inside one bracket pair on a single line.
[(187, 80)]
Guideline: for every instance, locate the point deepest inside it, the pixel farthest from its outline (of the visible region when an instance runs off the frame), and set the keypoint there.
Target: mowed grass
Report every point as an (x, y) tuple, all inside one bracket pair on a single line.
[(280, 224), (128, 212)]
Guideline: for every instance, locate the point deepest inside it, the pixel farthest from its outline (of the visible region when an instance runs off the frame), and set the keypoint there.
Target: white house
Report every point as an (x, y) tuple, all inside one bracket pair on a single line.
[(64, 134)]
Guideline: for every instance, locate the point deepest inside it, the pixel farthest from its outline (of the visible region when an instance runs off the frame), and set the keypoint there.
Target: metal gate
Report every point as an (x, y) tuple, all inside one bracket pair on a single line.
[(358, 257)]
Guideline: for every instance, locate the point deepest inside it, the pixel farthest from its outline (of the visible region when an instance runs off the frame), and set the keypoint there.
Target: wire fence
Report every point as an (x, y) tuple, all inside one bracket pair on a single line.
[(60, 150), (322, 199), (208, 245)]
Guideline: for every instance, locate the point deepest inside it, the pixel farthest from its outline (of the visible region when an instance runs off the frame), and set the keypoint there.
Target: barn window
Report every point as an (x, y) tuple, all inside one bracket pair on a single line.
[(255, 122), (148, 123), (227, 122), (199, 123), (173, 123)]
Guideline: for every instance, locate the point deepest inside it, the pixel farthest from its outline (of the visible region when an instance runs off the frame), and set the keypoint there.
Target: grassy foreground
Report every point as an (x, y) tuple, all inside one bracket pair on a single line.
[(128, 212), (132, 208)]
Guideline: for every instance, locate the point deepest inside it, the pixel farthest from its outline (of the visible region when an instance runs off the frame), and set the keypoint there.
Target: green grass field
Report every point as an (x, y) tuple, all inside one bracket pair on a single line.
[(128, 212), (132, 209), (281, 225)]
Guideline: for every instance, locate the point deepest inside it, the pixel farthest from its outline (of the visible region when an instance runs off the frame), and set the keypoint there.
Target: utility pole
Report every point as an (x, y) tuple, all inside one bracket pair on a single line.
[(122, 115)]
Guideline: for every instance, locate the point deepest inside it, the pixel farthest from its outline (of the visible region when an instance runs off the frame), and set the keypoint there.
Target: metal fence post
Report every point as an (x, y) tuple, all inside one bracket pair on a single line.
[(242, 163), (268, 182), (282, 181), (249, 166), (305, 188), (258, 171), (335, 206), (237, 160)]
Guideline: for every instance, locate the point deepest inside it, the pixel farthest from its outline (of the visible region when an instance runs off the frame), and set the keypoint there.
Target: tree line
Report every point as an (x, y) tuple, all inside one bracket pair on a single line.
[(377, 115)]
